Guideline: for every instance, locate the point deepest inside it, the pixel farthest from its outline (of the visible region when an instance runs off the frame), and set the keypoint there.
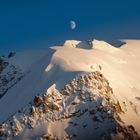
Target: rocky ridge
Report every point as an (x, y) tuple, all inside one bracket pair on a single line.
[(9, 76), (87, 105)]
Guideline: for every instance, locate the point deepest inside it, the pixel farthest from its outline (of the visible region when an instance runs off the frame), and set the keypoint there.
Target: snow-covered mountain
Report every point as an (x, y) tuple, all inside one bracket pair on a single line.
[(81, 90), (9, 75)]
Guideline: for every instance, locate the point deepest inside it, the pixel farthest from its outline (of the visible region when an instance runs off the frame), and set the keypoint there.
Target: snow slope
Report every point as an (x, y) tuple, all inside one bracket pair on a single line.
[(9, 75), (59, 65), (26, 59), (29, 86)]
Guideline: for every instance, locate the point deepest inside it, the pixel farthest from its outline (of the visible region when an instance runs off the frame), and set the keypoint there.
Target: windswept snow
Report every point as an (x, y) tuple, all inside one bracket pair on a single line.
[(58, 65), (26, 59), (24, 91), (78, 44)]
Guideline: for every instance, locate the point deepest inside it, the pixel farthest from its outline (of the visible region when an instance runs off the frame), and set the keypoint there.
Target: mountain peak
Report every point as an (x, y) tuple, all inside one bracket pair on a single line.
[(67, 74), (78, 44)]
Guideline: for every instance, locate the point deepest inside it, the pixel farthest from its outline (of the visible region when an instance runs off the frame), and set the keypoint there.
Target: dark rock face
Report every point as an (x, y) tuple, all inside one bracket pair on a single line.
[(11, 54), (3, 64), (125, 133)]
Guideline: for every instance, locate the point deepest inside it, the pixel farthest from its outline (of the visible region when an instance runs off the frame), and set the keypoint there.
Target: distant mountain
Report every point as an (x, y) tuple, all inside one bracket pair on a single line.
[(82, 90)]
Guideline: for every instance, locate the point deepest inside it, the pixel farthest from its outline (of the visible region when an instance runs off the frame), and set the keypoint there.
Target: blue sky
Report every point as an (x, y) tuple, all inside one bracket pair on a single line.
[(29, 24)]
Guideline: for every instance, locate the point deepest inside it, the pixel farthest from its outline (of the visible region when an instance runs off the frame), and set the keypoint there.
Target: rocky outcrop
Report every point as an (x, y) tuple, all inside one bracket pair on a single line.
[(11, 54), (3, 64), (87, 105), (9, 76)]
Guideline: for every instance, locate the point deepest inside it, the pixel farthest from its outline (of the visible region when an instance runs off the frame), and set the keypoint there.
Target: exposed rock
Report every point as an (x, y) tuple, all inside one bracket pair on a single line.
[(87, 96), (54, 106), (32, 110), (45, 108), (11, 54), (125, 133), (38, 100), (9, 76)]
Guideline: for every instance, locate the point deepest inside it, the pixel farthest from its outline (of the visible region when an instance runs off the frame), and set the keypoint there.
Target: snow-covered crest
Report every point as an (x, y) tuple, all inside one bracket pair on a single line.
[(58, 66)]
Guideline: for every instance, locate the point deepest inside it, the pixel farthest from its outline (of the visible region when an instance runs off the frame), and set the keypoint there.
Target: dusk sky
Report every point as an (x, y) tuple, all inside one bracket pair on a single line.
[(29, 24)]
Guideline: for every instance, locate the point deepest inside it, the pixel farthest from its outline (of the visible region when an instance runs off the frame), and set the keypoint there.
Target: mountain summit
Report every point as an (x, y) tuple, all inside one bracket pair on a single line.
[(81, 90)]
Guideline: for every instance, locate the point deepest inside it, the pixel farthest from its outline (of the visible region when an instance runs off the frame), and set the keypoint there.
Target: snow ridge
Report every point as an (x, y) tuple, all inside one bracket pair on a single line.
[(44, 99)]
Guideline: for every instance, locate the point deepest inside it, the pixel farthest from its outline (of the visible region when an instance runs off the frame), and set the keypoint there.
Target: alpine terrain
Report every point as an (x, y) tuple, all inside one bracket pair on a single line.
[(83, 90)]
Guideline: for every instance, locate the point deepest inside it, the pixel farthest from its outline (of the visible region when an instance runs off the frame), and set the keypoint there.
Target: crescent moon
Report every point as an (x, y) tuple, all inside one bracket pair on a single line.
[(72, 24)]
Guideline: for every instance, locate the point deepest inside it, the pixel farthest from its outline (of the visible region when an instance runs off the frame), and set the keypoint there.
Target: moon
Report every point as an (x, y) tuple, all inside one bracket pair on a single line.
[(72, 24)]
